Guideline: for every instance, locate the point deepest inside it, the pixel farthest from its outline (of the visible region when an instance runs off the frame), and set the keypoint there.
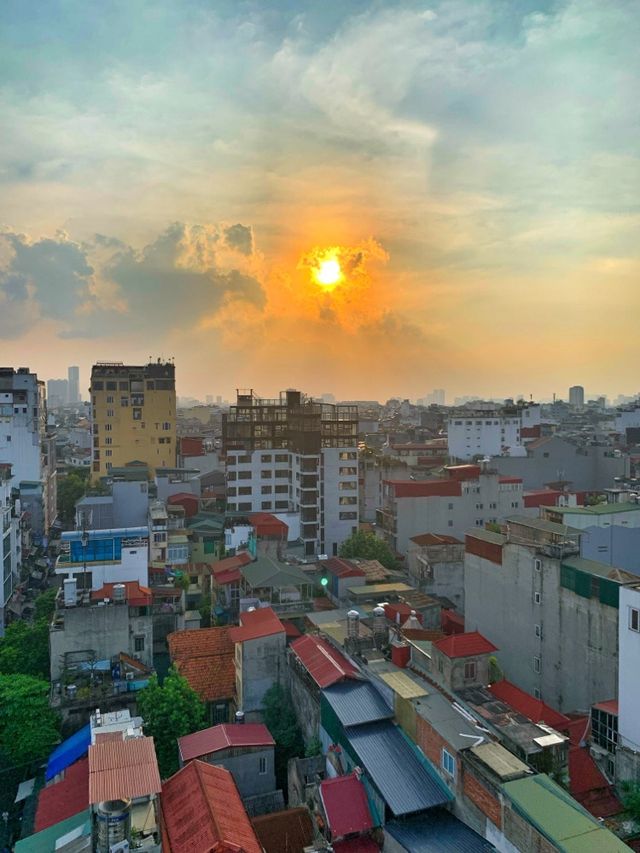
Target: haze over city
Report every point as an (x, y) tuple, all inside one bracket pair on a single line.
[(171, 172)]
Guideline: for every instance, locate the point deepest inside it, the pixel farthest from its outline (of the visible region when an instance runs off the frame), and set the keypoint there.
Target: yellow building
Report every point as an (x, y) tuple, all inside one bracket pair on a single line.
[(133, 416)]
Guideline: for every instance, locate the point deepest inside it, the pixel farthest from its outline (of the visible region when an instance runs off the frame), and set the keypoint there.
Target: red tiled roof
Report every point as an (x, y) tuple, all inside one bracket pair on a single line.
[(589, 786), (202, 810), (135, 595), (324, 664), (609, 707), (254, 624), (425, 488), (398, 612), (435, 539), (541, 497), (530, 432), (509, 479), (535, 709), (229, 563), (205, 657), (65, 798), (463, 472), (356, 845), (225, 578), (224, 736), (465, 645), (289, 831), (345, 804), (266, 524), (122, 769), (342, 568), (451, 622), (291, 630)]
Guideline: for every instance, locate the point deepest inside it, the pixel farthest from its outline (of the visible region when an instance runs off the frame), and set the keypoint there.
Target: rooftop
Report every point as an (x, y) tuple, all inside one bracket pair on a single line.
[(535, 709), (45, 840), (465, 645), (345, 804), (449, 723), (122, 769), (602, 570), (598, 509), (325, 664), (544, 526), (293, 824), (357, 702), (202, 809), (266, 572), (65, 798), (255, 624), (135, 595), (435, 539), (437, 831), (205, 657), (224, 736), (342, 568), (500, 761)]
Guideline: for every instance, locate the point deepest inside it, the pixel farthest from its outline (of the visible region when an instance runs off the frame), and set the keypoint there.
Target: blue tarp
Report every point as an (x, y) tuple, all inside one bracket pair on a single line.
[(68, 751)]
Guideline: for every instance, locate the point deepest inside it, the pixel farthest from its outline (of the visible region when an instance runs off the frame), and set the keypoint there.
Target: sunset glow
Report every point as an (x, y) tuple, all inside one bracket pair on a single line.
[(328, 274)]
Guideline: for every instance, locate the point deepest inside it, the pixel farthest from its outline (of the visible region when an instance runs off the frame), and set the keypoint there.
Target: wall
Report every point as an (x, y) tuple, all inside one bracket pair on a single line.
[(245, 768), (452, 670), (629, 683), (616, 546), (482, 436), (134, 566), (445, 575), (337, 525), (262, 665), (107, 629), (130, 503), (305, 698)]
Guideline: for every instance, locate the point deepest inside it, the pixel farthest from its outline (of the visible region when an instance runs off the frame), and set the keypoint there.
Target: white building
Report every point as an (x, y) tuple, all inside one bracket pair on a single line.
[(295, 456), (110, 556), (9, 542), (490, 431), (628, 754), (628, 417), (22, 422)]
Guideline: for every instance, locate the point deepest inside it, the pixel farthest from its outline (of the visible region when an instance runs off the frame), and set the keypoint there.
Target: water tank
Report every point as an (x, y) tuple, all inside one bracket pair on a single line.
[(113, 818), (240, 717), (71, 691), (380, 630), (119, 593), (70, 592), (353, 624)]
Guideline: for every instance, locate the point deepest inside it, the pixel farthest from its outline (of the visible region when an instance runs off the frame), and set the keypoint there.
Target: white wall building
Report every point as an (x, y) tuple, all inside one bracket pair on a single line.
[(628, 681), (490, 431), (22, 422), (628, 417), (111, 556), (9, 543)]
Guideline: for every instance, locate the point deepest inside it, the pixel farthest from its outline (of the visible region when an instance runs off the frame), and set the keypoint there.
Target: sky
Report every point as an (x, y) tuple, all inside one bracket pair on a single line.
[(172, 173)]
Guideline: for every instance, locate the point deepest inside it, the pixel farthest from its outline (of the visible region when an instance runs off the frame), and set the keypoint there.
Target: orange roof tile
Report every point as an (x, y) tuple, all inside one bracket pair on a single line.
[(255, 624), (202, 810), (290, 830), (122, 769)]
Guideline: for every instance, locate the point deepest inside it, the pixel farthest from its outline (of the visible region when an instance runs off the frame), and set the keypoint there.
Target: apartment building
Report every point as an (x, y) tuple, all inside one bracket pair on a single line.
[(628, 739), (469, 496), (9, 542), (488, 430), (133, 416), (553, 614), (95, 557), (295, 455)]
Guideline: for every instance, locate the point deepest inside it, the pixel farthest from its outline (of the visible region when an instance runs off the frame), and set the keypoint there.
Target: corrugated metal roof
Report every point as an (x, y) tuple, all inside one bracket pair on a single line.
[(224, 736), (437, 831), (535, 709), (324, 664), (403, 685), (345, 804), (65, 798), (450, 725), (357, 702), (120, 769), (69, 751), (502, 762), (45, 840), (398, 770), (255, 624)]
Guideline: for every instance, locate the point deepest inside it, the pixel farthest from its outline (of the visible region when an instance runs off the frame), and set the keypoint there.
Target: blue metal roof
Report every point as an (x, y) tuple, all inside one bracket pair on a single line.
[(125, 532), (437, 831), (403, 776), (357, 702), (69, 751)]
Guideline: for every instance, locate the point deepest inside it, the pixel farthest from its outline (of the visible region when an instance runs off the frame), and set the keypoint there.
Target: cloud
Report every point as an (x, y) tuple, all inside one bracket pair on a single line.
[(240, 237)]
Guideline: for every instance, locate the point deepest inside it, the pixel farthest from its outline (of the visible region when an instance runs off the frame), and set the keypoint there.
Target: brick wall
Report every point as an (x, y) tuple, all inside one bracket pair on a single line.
[(432, 744), (480, 796)]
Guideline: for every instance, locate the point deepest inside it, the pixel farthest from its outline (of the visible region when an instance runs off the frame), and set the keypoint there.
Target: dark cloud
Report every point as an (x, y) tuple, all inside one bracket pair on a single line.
[(239, 237)]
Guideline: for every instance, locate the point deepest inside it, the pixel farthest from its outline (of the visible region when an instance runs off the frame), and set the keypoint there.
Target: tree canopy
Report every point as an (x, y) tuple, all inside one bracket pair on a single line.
[(45, 604), (280, 719), (169, 712), (28, 727), (24, 649), (70, 489), (369, 547)]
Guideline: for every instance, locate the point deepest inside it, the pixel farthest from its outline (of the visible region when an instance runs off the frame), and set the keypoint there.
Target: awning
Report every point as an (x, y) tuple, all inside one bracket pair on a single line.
[(68, 752), (25, 789)]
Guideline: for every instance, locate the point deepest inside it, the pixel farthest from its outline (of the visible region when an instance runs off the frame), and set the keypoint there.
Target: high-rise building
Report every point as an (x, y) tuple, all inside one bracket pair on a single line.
[(133, 416), (73, 376), (295, 455), (9, 542), (436, 397), (57, 393), (576, 396)]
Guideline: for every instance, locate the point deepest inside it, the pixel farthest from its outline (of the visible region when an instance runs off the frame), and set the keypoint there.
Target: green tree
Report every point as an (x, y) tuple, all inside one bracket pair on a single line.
[(45, 604), (280, 719), (369, 547), (170, 712), (205, 611), (28, 727), (70, 489), (24, 649)]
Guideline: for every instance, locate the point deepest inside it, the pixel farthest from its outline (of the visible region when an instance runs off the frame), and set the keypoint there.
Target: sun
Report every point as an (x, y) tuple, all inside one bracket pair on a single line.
[(328, 273)]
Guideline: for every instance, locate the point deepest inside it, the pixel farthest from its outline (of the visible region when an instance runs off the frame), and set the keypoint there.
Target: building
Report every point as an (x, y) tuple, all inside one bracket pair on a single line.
[(553, 614), (436, 565), (576, 396), (619, 510), (469, 496), (260, 642), (10, 543), (206, 659), (295, 454), (57, 393), (462, 660), (246, 750), (628, 740), (133, 411), (95, 557), (486, 430), (73, 385)]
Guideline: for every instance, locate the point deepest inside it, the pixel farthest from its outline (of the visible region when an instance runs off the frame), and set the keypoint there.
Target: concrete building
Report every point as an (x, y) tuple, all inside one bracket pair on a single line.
[(628, 748), (295, 454), (73, 385), (110, 556), (260, 642), (436, 565), (133, 412), (553, 459), (115, 619), (126, 506), (9, 542), (469, 496), (57, 393), (618, 511), (553, 614), (487, 430), (576, 396)]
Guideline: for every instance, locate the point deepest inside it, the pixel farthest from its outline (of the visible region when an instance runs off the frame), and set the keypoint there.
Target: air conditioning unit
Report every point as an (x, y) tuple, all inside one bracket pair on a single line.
[(120, 847), (129, 676)]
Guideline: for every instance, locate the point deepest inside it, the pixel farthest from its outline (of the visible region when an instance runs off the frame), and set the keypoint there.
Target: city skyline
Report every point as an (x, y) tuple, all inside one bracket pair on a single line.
[(173, 178)]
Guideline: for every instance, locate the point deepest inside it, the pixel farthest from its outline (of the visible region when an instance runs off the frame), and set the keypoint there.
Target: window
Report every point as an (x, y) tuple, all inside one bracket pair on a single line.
[(244, 490), (137, 414), (282, 504), (537, 597), (138, 644), (282, 474), (98, 386), (112, 386), (538, 631), (110, 413), (349, 484), (470, 670), (108, 453), (536, 693), (537, 565), (166, 425), (232, 492), (448, 763), (348, 516), (282, 490), (231, 475), (266, 474), (243, 460), (124, 402), (109, 399), (265, 505), (348, 454), (108, 440), (244, 475), (266, 457), (347, 471), (634, 619), (245, 507), (450, 506), (266, 490), (262, 765), (282, 457), (450, 523), (536, 665), (347, 501)]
